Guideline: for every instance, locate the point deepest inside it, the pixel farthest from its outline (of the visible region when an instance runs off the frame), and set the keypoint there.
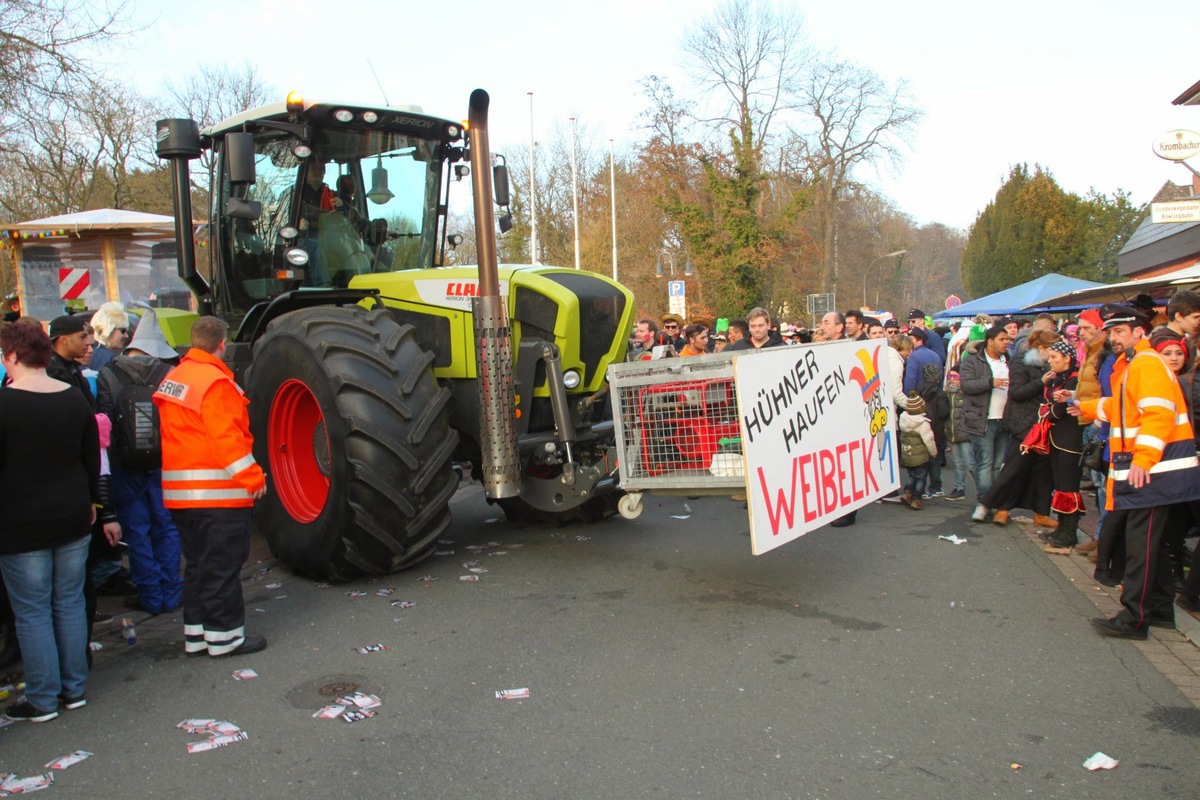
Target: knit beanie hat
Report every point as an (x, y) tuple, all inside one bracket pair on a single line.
[(932, 372), (915, 404)]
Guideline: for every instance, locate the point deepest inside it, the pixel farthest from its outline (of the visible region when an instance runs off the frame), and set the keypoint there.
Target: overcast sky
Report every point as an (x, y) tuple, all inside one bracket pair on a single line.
[(1079, 87)]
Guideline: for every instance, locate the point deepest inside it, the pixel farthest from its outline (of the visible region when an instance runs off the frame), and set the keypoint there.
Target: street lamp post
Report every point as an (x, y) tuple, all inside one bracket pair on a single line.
[(867, 271)]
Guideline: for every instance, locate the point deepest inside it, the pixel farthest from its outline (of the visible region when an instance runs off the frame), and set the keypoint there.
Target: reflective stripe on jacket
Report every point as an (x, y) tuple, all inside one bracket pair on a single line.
[(206, 443), (1156, 428)]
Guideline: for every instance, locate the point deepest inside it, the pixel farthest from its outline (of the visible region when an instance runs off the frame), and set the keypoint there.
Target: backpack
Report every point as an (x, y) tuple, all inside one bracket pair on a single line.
[(136, 443)]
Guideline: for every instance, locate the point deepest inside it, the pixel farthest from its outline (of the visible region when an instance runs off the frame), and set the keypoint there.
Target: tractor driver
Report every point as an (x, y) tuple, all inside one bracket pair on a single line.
[(316, 199)]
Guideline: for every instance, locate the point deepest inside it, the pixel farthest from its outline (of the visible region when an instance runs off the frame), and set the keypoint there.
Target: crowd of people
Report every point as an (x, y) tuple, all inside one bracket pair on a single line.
[(1033, 413), (109, 437)]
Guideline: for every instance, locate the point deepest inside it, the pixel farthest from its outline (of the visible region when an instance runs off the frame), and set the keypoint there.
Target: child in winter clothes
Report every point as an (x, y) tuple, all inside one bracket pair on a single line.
[(937, 409), (960, 440), (917, 447)]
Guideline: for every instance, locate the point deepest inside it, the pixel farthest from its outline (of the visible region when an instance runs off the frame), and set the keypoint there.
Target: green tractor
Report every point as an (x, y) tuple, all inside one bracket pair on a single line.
[(372, 372)]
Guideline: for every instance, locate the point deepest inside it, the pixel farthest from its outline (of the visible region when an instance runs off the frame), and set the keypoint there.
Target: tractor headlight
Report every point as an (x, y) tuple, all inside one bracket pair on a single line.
[(343, 115), (288, 232), (571, 379), (370, 117), (296, 256)]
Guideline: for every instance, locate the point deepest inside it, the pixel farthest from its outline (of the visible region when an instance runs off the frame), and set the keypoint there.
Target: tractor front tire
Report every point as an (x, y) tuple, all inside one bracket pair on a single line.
[(353, 430)]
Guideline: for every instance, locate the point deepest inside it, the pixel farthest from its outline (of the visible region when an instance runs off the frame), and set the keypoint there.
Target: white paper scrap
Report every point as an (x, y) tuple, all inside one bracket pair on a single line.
[(1101, 761), (954, 539)]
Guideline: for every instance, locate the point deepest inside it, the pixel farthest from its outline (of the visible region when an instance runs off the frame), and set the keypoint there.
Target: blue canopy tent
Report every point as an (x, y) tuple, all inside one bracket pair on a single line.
[(1014, 300)]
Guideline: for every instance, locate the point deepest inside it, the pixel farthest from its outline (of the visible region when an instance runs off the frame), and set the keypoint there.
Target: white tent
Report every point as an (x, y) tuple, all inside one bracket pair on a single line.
[(76, 256)]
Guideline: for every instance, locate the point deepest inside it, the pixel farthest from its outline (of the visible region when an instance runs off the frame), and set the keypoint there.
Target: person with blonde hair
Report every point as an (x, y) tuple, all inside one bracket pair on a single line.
[(111, 326)]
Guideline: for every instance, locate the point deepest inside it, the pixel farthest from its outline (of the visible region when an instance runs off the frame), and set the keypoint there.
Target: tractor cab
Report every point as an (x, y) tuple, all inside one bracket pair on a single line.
[(328, 192)]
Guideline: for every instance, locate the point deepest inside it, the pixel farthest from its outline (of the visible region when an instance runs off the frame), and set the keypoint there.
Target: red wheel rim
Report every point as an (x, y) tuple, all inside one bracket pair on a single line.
[(299, 451)]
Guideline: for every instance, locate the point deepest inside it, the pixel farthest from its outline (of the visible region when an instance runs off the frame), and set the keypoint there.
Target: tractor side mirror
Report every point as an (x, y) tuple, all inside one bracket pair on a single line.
[(500, 184), (239, 157), (240, 208)]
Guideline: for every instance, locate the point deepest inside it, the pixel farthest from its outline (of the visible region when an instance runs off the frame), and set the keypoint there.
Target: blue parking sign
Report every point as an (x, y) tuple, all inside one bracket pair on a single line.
[(675, 289)]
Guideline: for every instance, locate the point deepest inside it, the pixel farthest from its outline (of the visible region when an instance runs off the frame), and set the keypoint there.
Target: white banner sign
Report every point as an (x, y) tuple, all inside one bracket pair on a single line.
[(818, 433), (1178, 211)]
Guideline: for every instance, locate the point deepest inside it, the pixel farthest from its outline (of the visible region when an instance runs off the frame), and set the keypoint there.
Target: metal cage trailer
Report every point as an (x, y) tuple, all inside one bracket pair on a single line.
[(677, 430)]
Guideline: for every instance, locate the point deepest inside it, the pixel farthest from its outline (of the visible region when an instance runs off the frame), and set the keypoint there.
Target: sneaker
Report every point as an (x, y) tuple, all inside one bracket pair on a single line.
[(980, 514), (72, 703), (1000, 518), (956, 494), (937, 493), (25, 711), (925, 496), (916, 504)]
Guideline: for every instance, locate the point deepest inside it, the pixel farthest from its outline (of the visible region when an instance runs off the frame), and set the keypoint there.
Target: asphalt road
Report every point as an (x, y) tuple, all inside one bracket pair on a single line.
[(663, 661)]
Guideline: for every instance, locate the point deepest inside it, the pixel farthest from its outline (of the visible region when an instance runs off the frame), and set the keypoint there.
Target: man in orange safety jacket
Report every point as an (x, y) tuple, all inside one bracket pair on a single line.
[(210, 482), (1153, 465)]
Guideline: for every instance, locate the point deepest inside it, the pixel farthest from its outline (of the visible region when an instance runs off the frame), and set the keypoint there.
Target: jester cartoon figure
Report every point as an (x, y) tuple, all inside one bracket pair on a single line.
[(875, 410)]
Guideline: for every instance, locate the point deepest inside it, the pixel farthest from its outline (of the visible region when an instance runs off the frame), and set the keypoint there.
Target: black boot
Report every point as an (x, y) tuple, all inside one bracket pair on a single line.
[(1063, 539)]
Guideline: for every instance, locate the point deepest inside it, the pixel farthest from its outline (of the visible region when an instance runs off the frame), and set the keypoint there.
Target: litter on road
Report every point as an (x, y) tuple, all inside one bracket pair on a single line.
[(11, 784), (220, 734), (954, 538), (512, 694), (403, 603), (356, 594), (370, 648), (244, 674), (1101, 761), (385, 592), (62, 762), (468, 578)]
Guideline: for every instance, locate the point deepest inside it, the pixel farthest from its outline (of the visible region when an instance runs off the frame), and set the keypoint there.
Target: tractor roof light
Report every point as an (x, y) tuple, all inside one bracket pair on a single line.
[(295, 102), (302, 151), (288, 232), (370, 117), (343, 115)]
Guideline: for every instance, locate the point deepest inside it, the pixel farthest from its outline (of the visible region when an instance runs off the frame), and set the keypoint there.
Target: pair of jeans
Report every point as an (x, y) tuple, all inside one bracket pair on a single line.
[(46, 590), (917, 480), (964, 462), (988, 451), (1092, 433), (152, 538)]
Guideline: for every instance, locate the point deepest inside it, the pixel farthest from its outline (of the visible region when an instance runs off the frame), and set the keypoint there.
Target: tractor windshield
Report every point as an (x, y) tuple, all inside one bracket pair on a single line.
[(346, 203)]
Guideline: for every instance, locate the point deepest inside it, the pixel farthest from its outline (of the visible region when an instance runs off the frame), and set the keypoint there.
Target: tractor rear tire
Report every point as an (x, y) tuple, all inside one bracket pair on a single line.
[(353, 430)]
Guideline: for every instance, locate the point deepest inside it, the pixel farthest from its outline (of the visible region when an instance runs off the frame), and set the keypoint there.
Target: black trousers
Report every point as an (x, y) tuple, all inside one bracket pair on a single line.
[(215, 543), (1149, 589)]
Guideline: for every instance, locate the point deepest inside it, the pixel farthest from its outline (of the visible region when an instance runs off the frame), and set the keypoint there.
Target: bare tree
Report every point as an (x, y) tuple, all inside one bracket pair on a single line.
[(751, 56), (855, 118), (43, 56), (215, 93)]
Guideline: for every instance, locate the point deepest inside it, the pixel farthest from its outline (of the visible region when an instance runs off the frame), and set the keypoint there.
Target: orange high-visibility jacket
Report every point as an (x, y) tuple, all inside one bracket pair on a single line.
[(206, 443), (1156, 428)]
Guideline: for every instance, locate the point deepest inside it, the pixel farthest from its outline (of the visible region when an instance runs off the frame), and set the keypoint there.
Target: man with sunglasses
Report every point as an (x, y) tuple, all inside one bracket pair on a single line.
[(672, 324)]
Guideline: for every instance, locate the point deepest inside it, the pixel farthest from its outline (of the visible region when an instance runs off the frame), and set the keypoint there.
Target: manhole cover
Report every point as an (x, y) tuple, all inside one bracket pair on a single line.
[(338, 688), (323, 689)]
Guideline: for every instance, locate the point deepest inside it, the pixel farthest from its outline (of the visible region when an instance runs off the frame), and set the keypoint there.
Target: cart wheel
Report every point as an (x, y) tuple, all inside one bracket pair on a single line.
[(630, 506)]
